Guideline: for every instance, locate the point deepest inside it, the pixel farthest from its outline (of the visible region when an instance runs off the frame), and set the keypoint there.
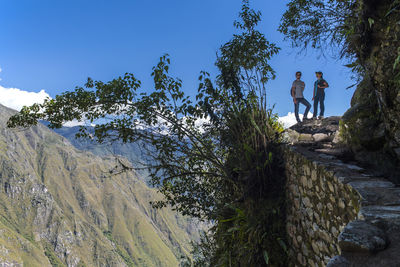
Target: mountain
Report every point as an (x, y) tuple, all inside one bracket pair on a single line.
[(60, 206), (131, 151)]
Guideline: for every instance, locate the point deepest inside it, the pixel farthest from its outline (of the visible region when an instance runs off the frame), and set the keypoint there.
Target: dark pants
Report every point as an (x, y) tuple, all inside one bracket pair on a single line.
[(296, 107), (320, 97)]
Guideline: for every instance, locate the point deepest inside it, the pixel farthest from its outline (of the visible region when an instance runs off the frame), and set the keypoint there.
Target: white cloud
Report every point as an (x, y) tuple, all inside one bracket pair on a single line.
[(74, 123), (289, 120), (16, 98)]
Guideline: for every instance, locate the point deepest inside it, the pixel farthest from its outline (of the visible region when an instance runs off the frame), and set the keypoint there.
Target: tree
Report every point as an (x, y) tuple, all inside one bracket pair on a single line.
[(366, 33), (319, 24), (216, 158)]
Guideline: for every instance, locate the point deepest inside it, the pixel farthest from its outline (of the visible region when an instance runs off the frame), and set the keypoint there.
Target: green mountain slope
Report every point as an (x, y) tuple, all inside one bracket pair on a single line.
[(61, 207), (131, 151)]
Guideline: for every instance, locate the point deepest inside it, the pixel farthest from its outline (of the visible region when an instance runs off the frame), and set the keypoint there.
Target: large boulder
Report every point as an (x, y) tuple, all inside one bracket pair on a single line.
[(338, 261), (327, 126), (360, 236), (311, 131), (372, 134)]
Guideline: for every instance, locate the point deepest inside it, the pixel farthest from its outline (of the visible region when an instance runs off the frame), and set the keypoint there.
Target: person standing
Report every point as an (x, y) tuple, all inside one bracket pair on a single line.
[(297, 94), (319, 95)]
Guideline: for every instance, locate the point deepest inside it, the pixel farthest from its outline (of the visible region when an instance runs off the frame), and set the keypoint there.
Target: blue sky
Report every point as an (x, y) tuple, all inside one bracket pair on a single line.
[(56, 45)]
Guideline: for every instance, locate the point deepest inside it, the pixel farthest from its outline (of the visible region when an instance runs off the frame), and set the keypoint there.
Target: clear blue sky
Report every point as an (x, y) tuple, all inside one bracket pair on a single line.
[(56, 45)]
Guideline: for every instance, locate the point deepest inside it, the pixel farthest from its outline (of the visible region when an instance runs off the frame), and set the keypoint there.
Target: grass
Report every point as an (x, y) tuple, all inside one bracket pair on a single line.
[(53, 259)]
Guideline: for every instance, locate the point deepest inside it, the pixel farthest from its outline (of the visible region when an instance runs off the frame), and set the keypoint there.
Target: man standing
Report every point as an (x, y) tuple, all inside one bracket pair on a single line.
[(297, 94), (319, 95)]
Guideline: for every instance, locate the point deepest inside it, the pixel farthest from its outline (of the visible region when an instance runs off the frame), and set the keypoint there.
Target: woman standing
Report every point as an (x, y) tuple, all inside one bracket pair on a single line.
[(319, 95)]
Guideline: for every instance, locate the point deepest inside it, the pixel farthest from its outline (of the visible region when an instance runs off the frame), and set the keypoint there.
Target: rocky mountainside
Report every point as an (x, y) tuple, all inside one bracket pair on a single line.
[(131, 151), (60, 206)]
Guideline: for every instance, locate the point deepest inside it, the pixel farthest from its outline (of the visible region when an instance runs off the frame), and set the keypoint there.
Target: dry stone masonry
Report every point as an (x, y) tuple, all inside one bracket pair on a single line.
[(319, 208), (340, 213)]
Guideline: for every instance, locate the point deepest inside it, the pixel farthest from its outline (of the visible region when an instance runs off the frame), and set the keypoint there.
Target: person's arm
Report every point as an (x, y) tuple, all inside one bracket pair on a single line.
[(313, 92), (324, 85), (294, 93)]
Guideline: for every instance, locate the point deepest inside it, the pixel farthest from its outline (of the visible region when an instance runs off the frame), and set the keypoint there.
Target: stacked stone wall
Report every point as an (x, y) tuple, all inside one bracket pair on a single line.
[(340, 212), (319, 206)]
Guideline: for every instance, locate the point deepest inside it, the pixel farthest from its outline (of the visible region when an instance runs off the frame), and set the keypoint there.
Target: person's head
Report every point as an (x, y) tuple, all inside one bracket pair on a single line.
[(319, 74), (298, 75)]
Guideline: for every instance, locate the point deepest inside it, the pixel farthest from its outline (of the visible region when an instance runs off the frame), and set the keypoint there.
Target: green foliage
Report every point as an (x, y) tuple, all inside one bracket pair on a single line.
[(216, 158), (243, 61), (253, 235), (251, 221), (318, 23), (203, 252), (53, 259), (125, 256), (250, 226), (347, 26)]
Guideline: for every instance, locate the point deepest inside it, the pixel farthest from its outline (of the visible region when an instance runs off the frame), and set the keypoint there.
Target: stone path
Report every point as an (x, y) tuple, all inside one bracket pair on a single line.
[(373, 239)]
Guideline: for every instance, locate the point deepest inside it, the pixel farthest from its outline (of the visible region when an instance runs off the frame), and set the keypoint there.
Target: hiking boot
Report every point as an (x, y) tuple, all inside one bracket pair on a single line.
[(320, 117), (314, 118)]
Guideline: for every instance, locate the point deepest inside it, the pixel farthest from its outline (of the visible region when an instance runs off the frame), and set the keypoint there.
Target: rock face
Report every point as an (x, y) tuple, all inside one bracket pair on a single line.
[(314, 131), (338, 261), (367, 136), (372, 124), (360, 236), (340, 212), (62, 207)]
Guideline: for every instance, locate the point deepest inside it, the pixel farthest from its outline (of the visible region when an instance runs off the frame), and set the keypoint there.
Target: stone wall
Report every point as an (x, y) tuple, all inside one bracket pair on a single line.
[(319, 207), (340, 213)]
